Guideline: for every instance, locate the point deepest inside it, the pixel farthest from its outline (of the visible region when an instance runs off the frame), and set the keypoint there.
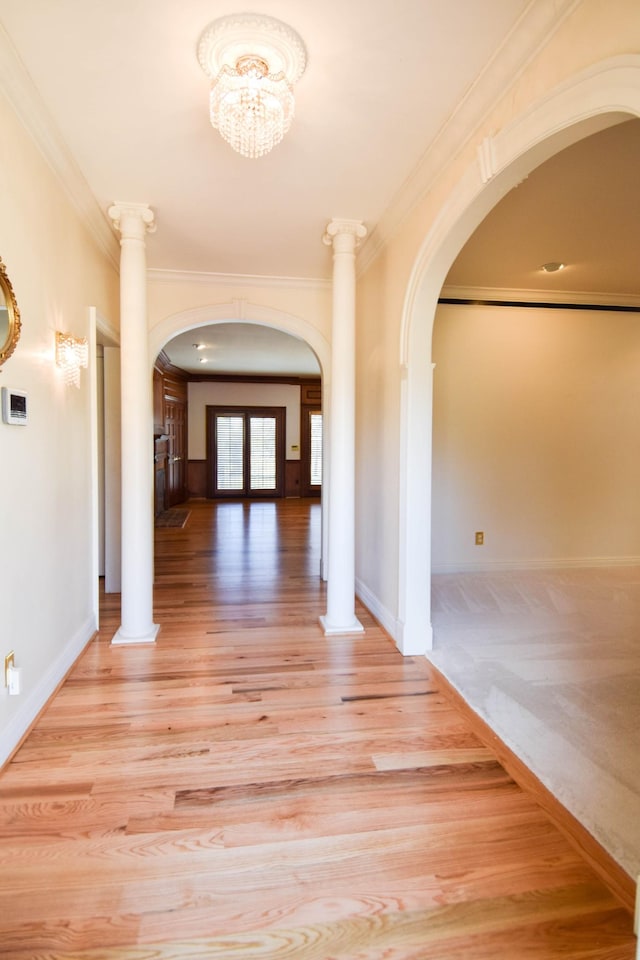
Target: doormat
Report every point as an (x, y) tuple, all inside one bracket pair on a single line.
[(174, 517)]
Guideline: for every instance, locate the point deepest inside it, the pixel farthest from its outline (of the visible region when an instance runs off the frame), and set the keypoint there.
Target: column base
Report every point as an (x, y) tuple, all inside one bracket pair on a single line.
[(120, 638), (333, 629)]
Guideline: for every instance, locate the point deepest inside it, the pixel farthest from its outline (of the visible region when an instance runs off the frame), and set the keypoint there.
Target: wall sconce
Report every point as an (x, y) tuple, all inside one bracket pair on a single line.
[(71, 354)]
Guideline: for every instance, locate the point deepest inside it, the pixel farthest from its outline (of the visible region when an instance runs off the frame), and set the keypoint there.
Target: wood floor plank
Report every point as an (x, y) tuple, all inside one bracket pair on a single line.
[(246, 787)]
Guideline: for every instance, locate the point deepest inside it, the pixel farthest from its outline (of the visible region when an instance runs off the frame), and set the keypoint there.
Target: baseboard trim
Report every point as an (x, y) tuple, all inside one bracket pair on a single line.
[(621, 884), (38, 698), (496, 566), (378, 611)]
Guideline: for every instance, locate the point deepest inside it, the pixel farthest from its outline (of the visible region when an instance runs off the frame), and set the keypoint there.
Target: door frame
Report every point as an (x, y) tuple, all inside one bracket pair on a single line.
[(213, 411)]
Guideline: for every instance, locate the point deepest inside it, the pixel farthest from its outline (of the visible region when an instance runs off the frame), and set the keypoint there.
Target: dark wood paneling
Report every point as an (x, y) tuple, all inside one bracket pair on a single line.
[(197, 478), (175, 389), (160, 474), (176, 428), (158, 403), (292, 478), (170, 398), (311, 394), (251, 378)]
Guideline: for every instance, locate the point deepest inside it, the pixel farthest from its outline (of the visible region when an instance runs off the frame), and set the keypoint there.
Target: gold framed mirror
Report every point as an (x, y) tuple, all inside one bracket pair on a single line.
[(9, 317)]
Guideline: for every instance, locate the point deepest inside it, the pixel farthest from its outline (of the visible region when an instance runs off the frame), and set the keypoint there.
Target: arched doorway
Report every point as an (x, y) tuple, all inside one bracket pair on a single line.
[(243, 315), (590, 102)]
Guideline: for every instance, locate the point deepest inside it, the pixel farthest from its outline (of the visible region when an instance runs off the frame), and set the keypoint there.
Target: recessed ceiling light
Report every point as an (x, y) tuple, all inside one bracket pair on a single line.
[(553, 266), (203, 360), (199, 346)]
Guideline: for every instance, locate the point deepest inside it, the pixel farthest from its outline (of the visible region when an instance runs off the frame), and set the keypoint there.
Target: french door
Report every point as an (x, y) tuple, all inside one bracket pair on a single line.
[(311, 451), (245, 451)]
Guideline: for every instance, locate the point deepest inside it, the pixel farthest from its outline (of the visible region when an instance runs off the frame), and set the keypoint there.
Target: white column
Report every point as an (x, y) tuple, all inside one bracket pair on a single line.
[(134, 221), (340, 617)]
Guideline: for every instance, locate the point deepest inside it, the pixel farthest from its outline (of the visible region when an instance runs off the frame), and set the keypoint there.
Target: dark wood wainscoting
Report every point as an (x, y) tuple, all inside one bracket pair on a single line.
[(197, 478), (292, 478)]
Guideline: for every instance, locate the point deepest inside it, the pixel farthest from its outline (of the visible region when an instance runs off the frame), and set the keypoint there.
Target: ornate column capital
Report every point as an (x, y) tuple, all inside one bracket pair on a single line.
[(344, 235), (132, 220)]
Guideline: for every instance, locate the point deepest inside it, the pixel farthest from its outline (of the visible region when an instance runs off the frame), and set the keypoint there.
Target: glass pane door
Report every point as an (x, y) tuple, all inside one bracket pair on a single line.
[(245, 451), (262, 453), (315, 430), (229, 453)]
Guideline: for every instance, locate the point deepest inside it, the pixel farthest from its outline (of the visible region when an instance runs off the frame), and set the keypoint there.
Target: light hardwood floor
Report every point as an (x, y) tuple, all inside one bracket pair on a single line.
[(247, 787)]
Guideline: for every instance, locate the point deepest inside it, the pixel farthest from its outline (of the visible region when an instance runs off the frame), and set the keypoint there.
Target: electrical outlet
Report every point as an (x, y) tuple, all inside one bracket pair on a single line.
[(479, 538), (8, 662)]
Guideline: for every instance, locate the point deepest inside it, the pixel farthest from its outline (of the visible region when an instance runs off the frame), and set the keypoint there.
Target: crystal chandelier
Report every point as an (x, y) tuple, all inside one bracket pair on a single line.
[(71, 354), (253, 62)]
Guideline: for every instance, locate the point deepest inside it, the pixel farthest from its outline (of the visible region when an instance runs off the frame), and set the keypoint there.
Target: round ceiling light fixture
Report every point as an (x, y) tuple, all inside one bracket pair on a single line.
[(253, 62), (553, 266)]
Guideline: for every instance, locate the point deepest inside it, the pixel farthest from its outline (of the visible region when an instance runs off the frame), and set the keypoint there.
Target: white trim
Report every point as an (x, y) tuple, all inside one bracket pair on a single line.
[(109, 336), (29, 107), (535, 27), (330, 630), (377, 609), (589, 101), (559, 563), (507, 295), (237, 279), (245, 312), (95, 487), (37, 698), (122, 639), (408, 645)]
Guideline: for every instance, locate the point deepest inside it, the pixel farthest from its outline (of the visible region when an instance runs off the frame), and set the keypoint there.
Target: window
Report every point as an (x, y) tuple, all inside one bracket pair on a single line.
[(262, 458), (229, 452), (310, 451), (315, 454), (245, 451)]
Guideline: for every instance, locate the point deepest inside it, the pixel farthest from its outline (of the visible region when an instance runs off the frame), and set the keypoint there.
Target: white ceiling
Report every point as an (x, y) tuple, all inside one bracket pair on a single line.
[(581, 208), (242, 348), (122, 83), (120, 86)]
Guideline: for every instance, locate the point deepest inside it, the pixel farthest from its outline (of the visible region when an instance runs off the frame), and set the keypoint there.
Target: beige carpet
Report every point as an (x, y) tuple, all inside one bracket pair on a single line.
[(551, 660)]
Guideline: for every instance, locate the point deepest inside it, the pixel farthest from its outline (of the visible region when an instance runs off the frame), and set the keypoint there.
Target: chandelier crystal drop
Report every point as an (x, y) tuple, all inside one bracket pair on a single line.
[(251, 108), (72, 353), (253, 62)]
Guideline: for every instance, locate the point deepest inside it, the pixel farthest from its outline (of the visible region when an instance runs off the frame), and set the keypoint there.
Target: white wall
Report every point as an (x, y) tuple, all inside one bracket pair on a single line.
[(513, 118), (536, 436), (247, 395), (46, 482)]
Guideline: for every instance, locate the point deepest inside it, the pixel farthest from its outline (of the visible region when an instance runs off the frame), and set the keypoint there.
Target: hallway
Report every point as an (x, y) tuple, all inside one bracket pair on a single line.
[(247, 787)]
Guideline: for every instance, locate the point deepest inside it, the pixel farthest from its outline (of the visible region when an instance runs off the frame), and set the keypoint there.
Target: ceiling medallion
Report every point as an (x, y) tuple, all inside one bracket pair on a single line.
[(253, 62)]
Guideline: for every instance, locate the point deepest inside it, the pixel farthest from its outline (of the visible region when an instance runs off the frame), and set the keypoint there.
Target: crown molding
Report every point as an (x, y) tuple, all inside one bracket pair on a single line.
[(504, 295), (538, 22), (236, 279), (23, 96)]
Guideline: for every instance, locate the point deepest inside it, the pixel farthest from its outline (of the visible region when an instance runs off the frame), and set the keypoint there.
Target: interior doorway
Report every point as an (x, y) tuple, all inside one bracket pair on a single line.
[(245, 451)]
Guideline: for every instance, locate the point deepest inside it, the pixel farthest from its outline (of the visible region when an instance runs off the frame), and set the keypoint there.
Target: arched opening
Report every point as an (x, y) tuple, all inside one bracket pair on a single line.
[(238, 410), (602, 97), (591, 102)]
